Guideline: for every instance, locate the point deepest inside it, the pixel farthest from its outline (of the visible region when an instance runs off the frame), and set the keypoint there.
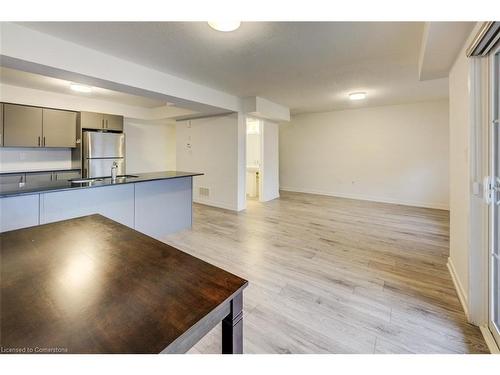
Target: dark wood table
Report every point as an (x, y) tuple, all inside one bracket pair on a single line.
[(91, 285)]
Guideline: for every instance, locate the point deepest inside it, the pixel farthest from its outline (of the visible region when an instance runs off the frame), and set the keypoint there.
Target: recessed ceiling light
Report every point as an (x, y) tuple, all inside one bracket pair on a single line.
[(357, 95), (80, 88), (225, 25)]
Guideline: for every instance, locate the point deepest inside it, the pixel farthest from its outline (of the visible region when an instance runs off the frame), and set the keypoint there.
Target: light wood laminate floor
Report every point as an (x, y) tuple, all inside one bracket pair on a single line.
[(334, 275)]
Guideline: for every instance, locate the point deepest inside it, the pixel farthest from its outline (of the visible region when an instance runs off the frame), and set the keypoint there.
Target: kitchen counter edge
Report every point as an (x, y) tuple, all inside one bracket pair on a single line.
[(12, 190)]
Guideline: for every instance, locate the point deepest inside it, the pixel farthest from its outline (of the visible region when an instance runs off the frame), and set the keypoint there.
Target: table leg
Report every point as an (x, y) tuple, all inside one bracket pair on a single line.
[(232, 327)]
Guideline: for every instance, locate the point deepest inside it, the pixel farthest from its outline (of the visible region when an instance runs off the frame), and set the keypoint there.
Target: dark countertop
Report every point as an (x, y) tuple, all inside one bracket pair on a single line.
[(8, 190), (41, 171), (92, 285)]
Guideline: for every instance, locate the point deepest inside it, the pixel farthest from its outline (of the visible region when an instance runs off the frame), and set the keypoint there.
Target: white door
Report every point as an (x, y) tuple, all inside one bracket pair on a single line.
[(494, 195)]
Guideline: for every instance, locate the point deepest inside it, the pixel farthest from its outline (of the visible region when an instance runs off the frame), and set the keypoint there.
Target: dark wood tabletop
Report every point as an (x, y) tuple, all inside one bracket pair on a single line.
[(91, 285)]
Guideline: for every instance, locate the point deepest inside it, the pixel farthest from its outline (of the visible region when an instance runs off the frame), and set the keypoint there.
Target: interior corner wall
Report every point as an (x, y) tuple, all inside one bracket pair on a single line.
[(460, 173), (394, 154), (270, 161), (213, 146)]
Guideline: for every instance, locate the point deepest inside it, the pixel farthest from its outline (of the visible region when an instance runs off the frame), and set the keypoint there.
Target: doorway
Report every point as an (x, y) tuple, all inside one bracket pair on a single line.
[(254, 159)]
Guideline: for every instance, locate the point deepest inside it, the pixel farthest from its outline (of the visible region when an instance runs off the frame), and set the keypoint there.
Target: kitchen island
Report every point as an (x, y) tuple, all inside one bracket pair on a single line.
[(155, 204)]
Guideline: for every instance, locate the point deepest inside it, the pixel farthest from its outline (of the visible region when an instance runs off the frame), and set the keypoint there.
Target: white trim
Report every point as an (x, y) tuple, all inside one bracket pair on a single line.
[(479, 211), (439, 206), (462, 296), (490, 341), (212, 203)]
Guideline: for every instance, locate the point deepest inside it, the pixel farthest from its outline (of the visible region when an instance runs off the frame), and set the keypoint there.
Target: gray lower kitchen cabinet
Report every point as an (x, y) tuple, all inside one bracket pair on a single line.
[(12, 178), (67, 175), (22, 126), (37, 177), (59, 128), (1, 124), (19, 212), (113, 122)]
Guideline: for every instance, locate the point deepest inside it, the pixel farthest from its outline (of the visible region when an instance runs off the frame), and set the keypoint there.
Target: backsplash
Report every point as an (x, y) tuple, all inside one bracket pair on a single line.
[(21, 159)]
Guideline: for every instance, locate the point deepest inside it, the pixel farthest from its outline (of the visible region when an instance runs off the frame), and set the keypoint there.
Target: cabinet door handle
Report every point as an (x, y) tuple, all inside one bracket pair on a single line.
[(38, 141), (107, 126), (103, 124), (43, 141)]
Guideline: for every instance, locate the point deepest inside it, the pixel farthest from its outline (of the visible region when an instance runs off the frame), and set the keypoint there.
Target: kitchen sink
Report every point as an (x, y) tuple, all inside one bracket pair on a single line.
[(84, 180), (94, 179)]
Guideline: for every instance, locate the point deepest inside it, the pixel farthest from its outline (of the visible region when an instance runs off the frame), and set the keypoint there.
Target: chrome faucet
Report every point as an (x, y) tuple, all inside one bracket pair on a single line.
[(114, 171)]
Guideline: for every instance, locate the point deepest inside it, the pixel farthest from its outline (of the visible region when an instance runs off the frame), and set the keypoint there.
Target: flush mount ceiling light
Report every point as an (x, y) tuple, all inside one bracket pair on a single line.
[(357, 95), (225, 26), (80, 88)]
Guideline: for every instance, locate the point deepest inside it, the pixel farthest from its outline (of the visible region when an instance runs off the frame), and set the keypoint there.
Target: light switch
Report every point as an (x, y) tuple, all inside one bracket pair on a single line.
[(476, 188)]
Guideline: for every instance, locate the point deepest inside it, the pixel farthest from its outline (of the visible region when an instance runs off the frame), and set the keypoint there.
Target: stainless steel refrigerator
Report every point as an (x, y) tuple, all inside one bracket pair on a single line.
[(100, 151)]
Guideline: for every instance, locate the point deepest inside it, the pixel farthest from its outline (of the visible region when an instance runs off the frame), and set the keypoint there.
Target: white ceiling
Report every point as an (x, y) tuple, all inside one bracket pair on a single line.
[(441, 43), (307, 66), (39, 82)]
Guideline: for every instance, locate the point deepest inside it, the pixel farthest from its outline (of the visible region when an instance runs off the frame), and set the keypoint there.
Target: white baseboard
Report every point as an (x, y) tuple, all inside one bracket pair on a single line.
[(215, 204), (462, 296), (438, 206), (490, 341)]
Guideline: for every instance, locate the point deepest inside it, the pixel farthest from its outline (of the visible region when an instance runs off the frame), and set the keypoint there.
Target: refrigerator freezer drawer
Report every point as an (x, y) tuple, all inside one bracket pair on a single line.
[(102, 167), (103, 145)]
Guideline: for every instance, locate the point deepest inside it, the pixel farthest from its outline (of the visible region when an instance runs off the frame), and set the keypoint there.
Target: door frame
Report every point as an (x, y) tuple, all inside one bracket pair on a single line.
[(494, 111), (477, 305)]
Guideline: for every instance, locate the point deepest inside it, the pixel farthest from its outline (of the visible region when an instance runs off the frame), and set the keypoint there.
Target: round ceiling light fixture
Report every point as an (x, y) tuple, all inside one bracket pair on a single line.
[(357, 95), (80, 88), (225, 26)]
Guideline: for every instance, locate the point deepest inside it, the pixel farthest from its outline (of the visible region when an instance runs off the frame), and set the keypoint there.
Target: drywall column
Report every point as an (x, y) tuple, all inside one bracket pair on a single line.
[(270, 162), (214, 146), (242, 162)]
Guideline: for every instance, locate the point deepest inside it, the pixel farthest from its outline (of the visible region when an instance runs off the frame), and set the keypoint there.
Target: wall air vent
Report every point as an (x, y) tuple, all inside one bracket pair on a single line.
[(204, 192)]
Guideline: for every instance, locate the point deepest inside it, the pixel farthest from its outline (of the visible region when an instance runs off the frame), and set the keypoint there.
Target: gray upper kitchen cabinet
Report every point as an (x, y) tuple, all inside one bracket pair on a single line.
[(101, 121), (1, 124), (91, 120), (26, 126), (22, 126), (113, 122), (59, 128)]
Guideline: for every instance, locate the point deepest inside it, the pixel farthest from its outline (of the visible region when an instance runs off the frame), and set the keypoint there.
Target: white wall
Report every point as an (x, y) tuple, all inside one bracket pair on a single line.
[(216, 144), (469, 163), (270, 162), (397, 154), (459, 173), (149, 147)]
